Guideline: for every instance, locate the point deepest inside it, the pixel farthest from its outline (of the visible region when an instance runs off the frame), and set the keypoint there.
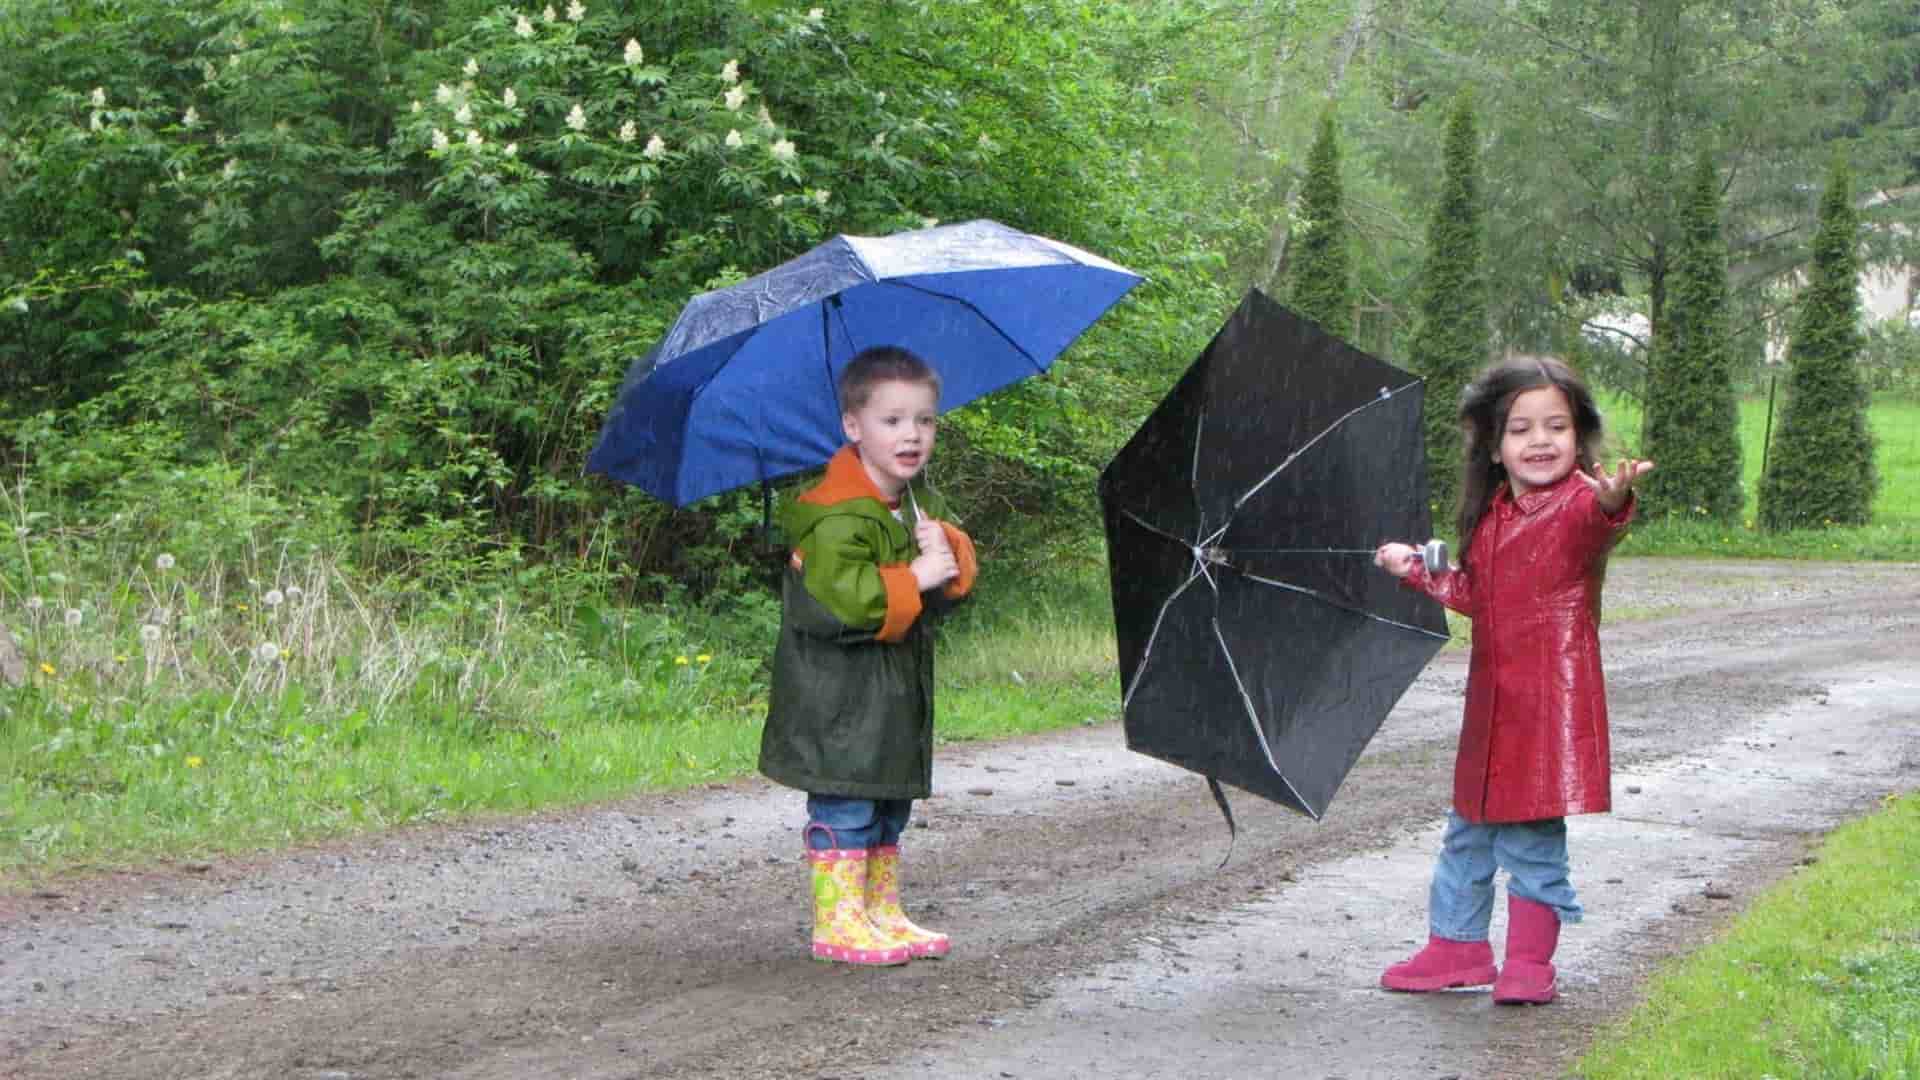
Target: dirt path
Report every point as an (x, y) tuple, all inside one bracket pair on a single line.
[(1096, 933)]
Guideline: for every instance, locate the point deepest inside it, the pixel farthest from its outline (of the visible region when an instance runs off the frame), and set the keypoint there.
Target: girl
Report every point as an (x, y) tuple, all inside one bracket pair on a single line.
[(1537, 518)]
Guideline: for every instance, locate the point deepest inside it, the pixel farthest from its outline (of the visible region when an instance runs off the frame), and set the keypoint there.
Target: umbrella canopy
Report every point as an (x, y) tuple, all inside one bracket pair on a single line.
[(1258, 644), (743, 387)]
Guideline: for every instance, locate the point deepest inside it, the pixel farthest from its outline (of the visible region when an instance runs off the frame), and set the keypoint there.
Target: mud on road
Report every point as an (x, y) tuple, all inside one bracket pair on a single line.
[(1096, 933)]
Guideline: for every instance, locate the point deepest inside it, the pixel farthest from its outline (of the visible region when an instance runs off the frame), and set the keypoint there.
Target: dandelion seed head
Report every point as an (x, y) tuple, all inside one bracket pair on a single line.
[(267, 652), (163, 561), (73, 617), (295, 592), (273, 598), (35, 603), (150, 633)]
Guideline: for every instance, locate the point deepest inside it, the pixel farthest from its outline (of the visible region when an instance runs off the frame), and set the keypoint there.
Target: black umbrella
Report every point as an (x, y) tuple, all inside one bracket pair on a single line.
[(1259, 645)]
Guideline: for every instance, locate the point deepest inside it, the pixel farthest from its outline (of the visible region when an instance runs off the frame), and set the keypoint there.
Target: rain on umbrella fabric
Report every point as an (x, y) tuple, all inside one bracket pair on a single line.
[(1258, 644), (742, 388)]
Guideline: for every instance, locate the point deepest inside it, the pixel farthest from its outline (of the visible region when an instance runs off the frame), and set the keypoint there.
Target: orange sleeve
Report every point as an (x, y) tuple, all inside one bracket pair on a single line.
[(963, 553), (903, 602)]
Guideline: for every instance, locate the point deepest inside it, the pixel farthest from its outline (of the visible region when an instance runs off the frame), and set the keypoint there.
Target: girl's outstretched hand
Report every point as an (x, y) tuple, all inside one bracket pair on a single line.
[(1395, 559), (1612, 491)]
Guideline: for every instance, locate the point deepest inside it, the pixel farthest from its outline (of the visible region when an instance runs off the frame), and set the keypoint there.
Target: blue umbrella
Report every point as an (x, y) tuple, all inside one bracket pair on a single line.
[(742, 389)]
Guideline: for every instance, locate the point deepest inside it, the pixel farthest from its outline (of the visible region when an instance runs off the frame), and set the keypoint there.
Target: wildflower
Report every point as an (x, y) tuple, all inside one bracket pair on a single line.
[(816, 16), (96, 123), (119, 658), (820, 197), (766, 118), (99, 97), (509, 98), (511, 149), (472, 67), (985, 143), (150, 634), (735, 98), (267, 651), (295, 592), (577, 118), (191, 118), (879, 97), (576, 11), (73, 616), (731, 72), (47, 669), (879, 139), (782, 150), (231, 168), (34, 603), (443, 94), (929, 222), (194, 761), (464, 115), (548, 14), (163, 561), (656, 148), (439, 139), (634, 54), (239, 607), (704, 658), (474, 140), (523, 26), (733, 139), (778, 201), (208, 71), (415, 107), (628, 132), (678, 661)]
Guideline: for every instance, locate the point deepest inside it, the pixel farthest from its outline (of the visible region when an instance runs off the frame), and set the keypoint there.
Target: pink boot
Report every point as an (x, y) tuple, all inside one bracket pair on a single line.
[(1533, 932), (1443, 963)]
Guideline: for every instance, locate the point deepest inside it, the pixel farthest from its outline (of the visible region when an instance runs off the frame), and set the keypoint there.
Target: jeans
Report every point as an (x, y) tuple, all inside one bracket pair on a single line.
[(837, 822), (1534, 855)]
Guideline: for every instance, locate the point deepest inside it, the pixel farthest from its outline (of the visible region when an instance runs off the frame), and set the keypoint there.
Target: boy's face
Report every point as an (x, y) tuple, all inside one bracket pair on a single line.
[(893, 432)]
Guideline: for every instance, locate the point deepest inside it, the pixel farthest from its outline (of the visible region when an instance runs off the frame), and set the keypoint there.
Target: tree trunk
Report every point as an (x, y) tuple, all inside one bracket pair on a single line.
[(13, 666)]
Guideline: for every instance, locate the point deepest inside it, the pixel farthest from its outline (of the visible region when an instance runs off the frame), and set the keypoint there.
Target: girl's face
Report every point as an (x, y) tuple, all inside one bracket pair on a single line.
[(894, 432), (1539, 446)]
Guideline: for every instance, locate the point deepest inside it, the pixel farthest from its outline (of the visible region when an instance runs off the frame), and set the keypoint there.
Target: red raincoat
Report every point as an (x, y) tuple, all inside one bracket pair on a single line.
[(1534, 744)]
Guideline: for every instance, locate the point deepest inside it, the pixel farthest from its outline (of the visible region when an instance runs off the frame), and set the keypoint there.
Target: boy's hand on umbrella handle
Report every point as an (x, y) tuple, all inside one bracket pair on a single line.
[(1612, 491), (934, 569), (931, 537), (1395, 558)]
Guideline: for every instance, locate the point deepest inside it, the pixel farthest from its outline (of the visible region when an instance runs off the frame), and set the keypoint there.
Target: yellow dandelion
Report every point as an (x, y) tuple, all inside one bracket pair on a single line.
[(239, 607), (120, 658), (46, 669), (680, 661), (194, 762), (704, 658)]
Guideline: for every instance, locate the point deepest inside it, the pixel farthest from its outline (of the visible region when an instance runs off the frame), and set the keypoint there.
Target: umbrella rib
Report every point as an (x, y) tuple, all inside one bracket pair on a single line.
[(1385, 394), (1146, 652), (1038, 367), (1253, 719), (1325, 599)]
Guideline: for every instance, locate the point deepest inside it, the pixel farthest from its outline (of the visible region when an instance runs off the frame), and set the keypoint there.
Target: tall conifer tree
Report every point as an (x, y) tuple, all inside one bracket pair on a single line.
[(1319, 282), (1693, 421), (1820, 469), (1450, 344)]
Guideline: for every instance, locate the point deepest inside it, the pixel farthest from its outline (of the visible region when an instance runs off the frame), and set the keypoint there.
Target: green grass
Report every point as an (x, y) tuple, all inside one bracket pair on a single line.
[(1894, 534), (1819, 978)]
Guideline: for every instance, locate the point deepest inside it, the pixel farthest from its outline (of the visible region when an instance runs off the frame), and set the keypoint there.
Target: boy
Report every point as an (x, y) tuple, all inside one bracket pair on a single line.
[(850, 716)]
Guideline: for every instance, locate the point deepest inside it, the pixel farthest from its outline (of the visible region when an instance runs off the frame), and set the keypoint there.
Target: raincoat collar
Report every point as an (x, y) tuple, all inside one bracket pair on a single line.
[(1533, 501), (846, 479)]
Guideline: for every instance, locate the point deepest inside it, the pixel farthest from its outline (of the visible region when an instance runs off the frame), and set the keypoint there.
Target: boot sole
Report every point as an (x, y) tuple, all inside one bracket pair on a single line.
[(1424, 984), (839, 954)]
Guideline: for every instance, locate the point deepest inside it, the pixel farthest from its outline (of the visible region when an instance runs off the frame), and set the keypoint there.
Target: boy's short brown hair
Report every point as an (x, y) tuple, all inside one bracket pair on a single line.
[(882, 363)]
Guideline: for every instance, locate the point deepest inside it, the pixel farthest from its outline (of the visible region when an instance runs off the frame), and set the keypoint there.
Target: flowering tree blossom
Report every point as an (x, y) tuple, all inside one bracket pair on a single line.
[(509, 98), (782, 150), (628, 131), (634, 53), (731, 72), (523, 26), (734, 141), (577, 118), (735, 98), (656, 148)]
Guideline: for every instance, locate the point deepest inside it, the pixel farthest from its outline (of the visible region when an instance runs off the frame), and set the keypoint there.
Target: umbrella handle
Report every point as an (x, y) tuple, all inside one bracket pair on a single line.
[(1434, 554)]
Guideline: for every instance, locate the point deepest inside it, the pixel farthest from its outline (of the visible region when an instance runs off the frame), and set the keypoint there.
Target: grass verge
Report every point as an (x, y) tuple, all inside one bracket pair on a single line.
[(1819, 978)]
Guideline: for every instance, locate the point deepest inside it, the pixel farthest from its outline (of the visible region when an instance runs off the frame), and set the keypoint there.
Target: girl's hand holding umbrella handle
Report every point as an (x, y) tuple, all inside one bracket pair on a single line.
[(1398, 559)]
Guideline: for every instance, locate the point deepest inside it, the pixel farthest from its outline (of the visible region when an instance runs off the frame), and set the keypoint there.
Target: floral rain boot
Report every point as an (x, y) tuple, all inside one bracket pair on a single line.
[(1443, 964), (883, 906), (841, 931), (1533, 933)]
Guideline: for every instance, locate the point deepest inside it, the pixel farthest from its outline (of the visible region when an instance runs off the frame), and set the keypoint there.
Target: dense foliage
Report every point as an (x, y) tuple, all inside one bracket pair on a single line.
[(1820, 467), (1692, 418), (1452, 340), (1319, 280)]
